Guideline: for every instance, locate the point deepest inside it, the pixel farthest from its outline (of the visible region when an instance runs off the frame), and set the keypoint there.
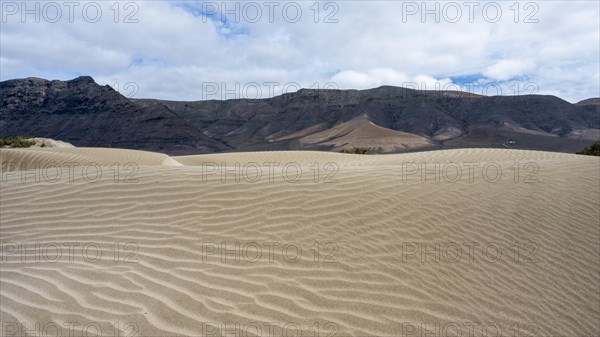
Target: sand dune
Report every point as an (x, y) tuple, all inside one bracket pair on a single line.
[(48, 142), (319, 244), (32, 158)]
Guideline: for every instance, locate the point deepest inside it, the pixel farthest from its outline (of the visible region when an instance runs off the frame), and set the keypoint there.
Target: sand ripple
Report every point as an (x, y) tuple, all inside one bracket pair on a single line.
[(380, 250)]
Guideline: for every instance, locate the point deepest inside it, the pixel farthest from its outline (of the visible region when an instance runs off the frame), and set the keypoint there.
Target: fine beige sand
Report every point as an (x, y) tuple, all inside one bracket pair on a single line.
[(242, 244)]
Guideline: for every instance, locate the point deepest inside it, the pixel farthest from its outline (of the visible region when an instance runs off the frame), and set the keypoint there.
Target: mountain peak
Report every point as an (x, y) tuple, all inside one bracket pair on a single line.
[(83, 80), (589, 101)]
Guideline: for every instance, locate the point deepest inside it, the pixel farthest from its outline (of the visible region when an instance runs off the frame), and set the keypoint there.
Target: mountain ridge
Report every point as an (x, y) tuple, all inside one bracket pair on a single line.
[(84, 113)]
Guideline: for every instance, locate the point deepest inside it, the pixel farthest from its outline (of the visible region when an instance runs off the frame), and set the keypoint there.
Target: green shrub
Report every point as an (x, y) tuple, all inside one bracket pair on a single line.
[(593, 150), (355, 150), (17, 142)]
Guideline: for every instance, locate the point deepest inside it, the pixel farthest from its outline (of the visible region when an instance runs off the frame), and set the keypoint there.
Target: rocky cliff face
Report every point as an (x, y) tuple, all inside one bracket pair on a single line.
[(86, 114)]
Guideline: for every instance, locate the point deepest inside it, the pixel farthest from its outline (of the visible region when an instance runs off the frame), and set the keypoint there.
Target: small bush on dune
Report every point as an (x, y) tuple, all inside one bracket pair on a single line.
[(593, 150), (355, 150), (17, 142)]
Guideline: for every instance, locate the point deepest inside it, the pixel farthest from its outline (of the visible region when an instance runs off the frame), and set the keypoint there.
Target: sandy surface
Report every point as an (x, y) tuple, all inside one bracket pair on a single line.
[(48, 142), (244, 244)]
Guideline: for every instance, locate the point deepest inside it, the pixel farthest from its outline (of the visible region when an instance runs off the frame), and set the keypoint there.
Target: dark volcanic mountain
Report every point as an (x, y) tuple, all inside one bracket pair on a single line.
[(85, 114), (384, 119)]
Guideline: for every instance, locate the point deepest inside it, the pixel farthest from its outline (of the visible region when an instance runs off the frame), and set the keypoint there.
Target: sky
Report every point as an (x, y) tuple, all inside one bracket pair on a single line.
[(223, 49)]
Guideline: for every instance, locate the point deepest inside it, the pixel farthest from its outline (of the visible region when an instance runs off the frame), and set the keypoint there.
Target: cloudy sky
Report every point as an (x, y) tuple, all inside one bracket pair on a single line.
[(216, 50)]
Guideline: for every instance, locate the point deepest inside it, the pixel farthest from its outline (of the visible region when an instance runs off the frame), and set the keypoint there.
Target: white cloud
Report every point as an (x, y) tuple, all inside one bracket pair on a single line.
[(376, 77), (507, 69), (172, 51)]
